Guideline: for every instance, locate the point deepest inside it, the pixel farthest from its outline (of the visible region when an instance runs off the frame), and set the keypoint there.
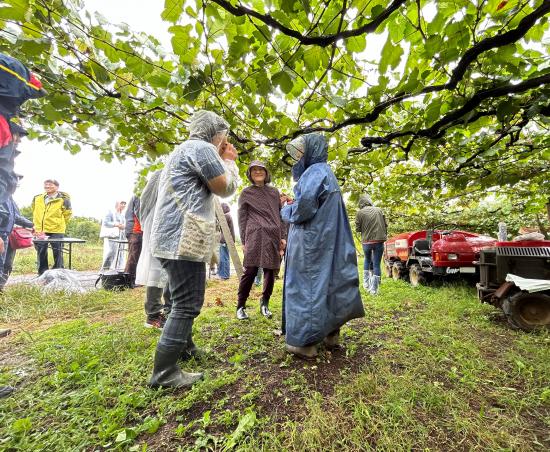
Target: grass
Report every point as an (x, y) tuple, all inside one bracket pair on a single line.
[(427, 368), (85, 256)]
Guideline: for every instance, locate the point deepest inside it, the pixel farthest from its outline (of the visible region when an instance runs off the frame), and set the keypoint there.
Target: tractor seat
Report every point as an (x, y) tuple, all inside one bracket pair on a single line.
[(421, 246)]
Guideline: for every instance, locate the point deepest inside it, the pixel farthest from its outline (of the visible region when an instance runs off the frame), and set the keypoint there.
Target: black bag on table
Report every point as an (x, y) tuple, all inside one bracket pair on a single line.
[(114, 280)]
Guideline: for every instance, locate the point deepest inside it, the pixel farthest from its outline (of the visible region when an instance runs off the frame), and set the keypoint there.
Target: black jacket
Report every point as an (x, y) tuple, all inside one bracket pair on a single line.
[(131, 210)]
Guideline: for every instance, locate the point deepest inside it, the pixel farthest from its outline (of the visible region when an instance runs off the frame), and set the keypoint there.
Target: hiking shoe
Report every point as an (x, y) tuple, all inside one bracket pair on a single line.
[(156, 322), (264, 310), (308, 352), (241, 314)]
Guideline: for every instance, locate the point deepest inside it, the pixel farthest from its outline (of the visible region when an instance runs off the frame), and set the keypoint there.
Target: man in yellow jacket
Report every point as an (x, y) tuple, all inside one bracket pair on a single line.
[(50, 213)]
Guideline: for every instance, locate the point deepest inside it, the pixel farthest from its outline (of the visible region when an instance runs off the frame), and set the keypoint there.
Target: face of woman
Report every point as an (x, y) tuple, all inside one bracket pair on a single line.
[(220, 141), (258, 175)]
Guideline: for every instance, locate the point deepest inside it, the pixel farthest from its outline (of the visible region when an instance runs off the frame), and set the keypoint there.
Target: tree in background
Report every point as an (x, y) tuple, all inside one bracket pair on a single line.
[(452, 109)]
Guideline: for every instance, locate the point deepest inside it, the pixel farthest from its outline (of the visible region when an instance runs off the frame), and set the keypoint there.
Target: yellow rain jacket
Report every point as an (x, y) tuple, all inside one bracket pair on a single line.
[(51, 217)]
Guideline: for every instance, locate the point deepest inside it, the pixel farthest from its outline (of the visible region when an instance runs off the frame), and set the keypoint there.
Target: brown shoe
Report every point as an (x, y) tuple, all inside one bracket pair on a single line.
[(309, 352), (332, 340)]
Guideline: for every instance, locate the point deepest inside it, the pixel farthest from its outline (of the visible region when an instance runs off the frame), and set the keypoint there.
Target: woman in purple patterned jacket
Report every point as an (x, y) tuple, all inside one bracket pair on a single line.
[(263, 236)]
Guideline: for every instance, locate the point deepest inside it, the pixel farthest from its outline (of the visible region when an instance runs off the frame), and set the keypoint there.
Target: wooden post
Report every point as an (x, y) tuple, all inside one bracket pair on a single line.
[(228, 238)]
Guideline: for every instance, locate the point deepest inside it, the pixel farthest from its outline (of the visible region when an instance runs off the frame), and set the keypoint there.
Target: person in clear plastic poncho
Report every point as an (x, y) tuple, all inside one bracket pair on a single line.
[(183, 234), (321, 286)]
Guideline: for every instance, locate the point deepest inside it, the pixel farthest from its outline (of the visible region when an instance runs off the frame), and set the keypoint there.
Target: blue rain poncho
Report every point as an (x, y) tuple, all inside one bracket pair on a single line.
[(321, 286), (184, 224)]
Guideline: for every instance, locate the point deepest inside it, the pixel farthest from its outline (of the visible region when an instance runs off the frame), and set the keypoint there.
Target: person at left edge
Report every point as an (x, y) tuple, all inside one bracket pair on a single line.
[(17, 85)]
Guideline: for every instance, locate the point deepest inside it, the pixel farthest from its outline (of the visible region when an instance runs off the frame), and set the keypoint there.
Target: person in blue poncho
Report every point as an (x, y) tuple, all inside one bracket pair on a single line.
[(321, 285)]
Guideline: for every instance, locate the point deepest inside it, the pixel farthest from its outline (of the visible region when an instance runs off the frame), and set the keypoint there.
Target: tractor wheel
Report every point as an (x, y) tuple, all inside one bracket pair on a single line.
[(527, 311), (417, 276), (388, 269), (396, 271)]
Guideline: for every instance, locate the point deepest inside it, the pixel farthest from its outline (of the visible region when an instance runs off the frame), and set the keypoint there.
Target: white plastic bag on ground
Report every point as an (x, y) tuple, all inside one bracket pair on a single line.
[(60, 279)]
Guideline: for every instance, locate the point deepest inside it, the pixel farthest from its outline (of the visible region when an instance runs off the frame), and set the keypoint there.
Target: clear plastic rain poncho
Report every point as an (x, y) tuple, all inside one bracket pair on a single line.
[(149, 271), (184, 225)]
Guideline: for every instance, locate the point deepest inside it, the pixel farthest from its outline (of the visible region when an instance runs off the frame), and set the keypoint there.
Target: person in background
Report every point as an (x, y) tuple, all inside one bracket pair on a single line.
[(258, 278), (149, 272), (112, 227), (263, 236), (321, 284), (9, 217), (134, 234), (51, 212), (224, 267), (183, 235), (371, 223)]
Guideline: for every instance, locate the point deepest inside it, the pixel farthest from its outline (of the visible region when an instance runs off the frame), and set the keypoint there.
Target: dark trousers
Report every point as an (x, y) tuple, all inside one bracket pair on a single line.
[(8, 264), (4, 237), (246, 284), (187, 281), (8, 261), (134, 250), (42, 253), (153, 305)]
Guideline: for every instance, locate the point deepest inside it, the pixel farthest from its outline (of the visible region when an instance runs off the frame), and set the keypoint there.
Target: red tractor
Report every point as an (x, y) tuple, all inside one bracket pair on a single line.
[(422, 255), (515, 277)]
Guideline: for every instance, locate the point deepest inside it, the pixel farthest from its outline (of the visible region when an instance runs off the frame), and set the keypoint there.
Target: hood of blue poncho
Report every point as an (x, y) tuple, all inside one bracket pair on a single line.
[(316, 151)]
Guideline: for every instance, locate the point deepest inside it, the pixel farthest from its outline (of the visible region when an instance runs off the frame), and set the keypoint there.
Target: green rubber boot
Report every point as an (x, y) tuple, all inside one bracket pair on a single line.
[(166, 372)]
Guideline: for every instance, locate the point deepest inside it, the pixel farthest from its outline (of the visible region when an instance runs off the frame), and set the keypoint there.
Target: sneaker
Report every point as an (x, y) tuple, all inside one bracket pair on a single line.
[(264, 310), (157, 322), (241, 314)]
